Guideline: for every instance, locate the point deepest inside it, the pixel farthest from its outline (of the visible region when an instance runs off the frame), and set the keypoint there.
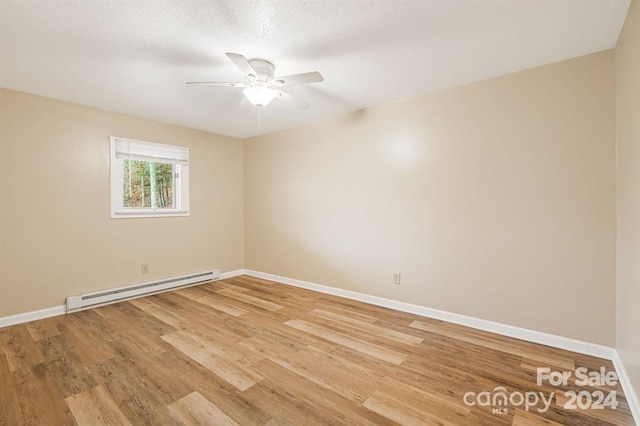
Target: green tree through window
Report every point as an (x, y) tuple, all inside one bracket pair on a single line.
[(148, 185)]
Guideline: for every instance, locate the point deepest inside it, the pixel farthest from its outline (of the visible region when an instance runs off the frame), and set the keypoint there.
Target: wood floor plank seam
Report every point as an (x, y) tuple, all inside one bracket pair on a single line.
[(371, 349)]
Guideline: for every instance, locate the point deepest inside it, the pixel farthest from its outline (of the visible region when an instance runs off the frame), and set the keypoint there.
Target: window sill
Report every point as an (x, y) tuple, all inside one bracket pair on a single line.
[(135, 214)]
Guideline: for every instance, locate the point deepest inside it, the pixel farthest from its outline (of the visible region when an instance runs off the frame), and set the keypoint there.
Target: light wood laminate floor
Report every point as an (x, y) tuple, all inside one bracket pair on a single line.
[(248, 351)]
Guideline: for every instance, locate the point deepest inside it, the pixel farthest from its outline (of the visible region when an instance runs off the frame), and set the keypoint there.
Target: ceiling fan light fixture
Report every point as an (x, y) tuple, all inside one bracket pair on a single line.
[(260, 87), (259, 96)]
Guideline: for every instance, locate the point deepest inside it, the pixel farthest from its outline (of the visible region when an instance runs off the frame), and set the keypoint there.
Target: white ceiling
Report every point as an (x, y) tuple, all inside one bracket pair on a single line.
[(134, 56)]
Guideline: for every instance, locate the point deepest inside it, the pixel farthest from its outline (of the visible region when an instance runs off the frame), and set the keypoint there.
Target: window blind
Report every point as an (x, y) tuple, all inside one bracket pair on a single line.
[(131, 149)]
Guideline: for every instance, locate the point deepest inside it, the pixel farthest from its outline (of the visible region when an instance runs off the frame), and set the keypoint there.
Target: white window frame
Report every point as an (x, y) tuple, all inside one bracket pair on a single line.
[(148, 151)]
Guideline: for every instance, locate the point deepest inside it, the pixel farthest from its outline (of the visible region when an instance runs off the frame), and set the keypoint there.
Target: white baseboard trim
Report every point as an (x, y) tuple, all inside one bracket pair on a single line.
[(629, 391), (560, 342), (32, 315), (61, 310), (231, 274)]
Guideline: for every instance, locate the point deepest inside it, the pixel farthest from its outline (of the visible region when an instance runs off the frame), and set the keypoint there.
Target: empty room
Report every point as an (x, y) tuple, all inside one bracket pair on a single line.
[(319, 212)]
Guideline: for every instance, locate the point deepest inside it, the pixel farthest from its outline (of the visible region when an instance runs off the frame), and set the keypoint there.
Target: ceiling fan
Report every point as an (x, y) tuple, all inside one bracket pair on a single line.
[(261, 86)]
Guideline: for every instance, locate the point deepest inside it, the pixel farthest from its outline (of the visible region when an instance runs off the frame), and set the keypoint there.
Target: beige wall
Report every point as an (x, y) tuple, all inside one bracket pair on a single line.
[(56, 235), (628, 195), (495, 200)]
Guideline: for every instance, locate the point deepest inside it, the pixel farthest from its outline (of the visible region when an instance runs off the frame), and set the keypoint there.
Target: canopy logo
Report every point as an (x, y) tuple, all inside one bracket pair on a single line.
[(500, 399)]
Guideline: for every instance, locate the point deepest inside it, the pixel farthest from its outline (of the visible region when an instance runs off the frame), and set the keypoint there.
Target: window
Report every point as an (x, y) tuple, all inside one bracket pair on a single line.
[(148, 179)]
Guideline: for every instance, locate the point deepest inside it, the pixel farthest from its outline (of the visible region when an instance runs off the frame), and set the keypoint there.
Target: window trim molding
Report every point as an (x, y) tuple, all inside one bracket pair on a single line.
[(116, 173)]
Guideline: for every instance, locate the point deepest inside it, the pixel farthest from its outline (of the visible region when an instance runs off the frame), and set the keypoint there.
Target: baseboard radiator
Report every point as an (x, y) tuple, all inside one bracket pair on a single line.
[(77, 303)]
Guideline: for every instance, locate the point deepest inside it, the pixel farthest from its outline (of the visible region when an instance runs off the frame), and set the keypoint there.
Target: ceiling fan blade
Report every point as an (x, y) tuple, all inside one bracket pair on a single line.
[(290, 80), (243, 63), (215, 84), (292, 100)]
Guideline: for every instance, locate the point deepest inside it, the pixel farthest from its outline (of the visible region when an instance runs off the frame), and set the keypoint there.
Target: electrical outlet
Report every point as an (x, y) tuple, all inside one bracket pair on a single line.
[(396, 278), (145, 268)]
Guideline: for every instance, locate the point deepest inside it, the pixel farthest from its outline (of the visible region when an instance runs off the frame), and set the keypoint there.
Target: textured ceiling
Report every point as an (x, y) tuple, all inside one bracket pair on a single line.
[(134, 56)]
